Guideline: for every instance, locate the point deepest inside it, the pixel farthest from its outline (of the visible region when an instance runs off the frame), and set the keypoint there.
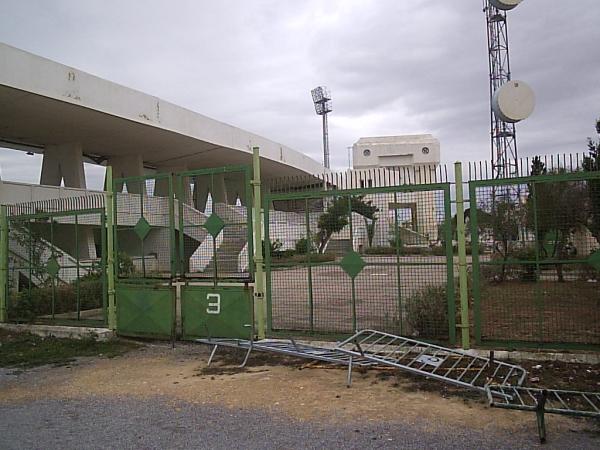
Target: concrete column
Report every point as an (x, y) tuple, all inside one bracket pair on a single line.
[(161, 188), (201, 189), (235, 188), (63, 162), (218, 190), (128, 166)]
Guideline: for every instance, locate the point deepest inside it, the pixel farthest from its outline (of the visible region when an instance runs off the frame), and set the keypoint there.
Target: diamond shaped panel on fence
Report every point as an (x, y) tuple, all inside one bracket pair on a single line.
[(53, 267), (352, 264), (214, 224), (142, 228)]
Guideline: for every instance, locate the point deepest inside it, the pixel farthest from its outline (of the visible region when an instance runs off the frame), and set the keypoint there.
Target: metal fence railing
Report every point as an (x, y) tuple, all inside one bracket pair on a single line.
[(536, 258), (375, 248), (378, 257), (56, 268)]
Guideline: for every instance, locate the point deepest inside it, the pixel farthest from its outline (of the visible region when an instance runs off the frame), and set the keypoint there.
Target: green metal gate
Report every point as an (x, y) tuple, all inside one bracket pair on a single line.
[(535, 263), (56, 252), (215, 249), (181, 234), (145, 255), (338, 260)]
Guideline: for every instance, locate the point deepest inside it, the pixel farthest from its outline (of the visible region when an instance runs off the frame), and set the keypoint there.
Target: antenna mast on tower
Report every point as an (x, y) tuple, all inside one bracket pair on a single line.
[(503, 135)]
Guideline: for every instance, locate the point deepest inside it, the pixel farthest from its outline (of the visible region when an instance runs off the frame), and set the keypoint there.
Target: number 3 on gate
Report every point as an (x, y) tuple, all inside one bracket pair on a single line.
[(214, 303)]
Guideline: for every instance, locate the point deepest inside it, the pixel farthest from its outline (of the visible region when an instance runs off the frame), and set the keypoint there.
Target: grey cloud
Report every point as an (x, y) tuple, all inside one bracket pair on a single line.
[(393, 66)]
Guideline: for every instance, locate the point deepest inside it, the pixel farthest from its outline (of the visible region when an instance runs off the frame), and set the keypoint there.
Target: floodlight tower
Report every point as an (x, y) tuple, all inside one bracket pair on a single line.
[(510, 101), (322, 100)]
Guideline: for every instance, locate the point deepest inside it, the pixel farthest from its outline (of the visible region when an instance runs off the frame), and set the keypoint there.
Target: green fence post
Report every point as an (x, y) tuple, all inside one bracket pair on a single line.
[(259, 289), (3, 263), (110, 250), (462, 257)]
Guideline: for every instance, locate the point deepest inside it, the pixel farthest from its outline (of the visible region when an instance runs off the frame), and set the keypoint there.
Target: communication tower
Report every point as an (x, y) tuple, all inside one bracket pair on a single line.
[(510, 101)]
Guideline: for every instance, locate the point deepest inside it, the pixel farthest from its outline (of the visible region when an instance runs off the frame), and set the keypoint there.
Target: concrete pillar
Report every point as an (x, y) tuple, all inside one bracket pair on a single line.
[(128, 166), (201, 190), (235, 188), (161, 188), (63, 162), (218, 190)]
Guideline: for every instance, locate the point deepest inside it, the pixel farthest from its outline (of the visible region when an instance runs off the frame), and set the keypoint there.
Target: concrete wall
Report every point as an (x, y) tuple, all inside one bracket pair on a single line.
[(12, 192)]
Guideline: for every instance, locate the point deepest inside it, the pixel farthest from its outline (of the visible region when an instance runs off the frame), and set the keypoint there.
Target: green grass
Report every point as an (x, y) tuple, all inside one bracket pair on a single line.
[(24, 350)]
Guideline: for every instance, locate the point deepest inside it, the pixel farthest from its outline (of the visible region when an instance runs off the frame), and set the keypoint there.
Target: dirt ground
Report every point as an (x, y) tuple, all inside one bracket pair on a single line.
[(546, 311), (286, 386)]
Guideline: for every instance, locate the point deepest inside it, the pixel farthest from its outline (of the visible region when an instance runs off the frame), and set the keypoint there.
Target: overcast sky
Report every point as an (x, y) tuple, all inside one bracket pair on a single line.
[(393, 67)]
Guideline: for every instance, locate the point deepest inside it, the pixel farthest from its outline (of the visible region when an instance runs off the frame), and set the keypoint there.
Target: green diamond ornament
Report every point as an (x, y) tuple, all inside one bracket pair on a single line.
[(142, 228), (594, 260), (352, 264), (52, 267), (214, 224)]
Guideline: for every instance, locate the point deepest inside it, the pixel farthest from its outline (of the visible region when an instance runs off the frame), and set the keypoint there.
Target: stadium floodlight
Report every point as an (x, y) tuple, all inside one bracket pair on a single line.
[(322, 100)]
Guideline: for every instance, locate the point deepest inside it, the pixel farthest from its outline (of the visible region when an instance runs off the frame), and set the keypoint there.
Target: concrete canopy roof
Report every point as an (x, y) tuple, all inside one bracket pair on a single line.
[(43, 103)]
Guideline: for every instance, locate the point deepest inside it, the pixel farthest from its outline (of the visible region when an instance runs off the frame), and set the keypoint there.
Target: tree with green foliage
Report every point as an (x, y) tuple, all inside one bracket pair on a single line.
[(591, 163), (337, 215), (554, 212), (502, 223)]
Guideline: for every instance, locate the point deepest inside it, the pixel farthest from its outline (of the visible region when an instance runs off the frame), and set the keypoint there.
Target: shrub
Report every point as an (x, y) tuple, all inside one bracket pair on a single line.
[(25, 307), (126, 267), (304, 246), (396, 242), (427, 312), (274, 248), (526, 272), (314, 258), (380, 251)]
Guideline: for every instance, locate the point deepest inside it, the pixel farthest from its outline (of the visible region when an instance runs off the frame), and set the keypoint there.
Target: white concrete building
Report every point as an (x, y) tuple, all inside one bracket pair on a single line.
[(71, 116), (396, 151), (417, 213)]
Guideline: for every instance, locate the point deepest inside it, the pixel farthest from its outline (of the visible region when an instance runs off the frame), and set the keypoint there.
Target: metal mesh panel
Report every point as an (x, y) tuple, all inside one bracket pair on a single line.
[(144, 227), (536, 277), (363, 258), (214, 223), (57, 267)]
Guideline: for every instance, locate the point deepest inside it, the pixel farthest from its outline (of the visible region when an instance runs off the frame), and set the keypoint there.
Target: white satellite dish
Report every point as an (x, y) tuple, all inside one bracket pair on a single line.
[(505, 5), (514, 101)]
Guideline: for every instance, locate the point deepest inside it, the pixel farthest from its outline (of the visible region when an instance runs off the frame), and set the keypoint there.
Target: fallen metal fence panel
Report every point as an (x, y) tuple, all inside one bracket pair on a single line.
[(541, 401), (290, 348), (433, 361)]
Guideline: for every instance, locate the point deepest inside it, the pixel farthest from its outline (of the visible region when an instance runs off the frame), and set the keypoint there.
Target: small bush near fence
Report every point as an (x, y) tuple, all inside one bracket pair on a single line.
[(427, 312), (413, 251), (25, 307)]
